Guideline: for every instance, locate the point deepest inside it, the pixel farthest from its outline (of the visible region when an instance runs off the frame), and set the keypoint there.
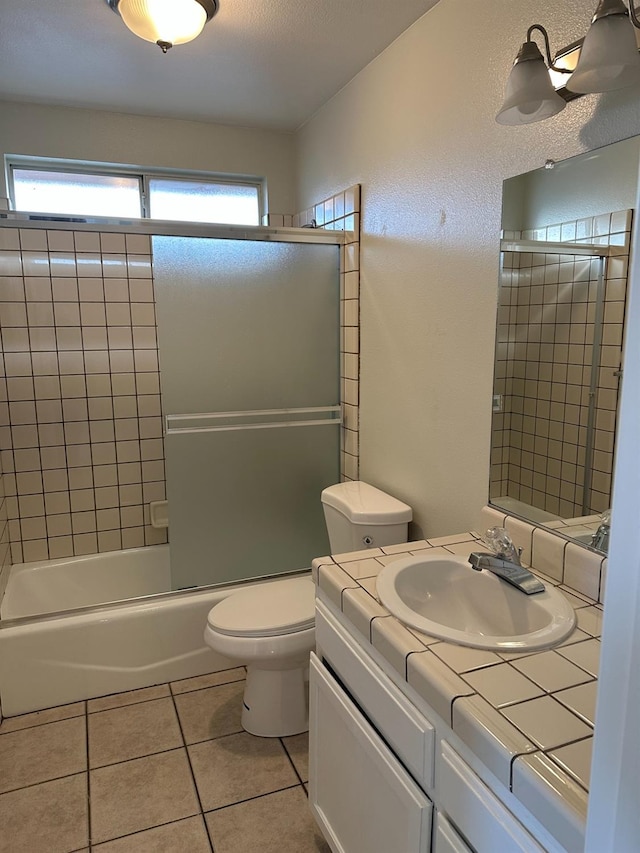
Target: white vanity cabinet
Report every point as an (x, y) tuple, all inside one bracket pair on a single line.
[(384, 778), (360, 794), (476, 811), (446, 839)]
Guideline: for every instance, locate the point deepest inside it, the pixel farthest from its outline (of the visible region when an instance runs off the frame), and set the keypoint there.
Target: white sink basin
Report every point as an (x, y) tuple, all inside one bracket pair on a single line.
[(445, 597)]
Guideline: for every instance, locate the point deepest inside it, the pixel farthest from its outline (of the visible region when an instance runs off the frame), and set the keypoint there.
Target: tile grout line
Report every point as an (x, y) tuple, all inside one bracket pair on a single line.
[(291, 762), (191, 771), (141, 831), (86, 728), (128, 704), (38, 725), (43, 782), (257, 797)]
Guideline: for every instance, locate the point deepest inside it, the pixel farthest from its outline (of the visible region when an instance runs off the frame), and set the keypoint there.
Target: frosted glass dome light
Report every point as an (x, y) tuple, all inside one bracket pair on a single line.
[(165, 22), (609, 57), (529, 93)]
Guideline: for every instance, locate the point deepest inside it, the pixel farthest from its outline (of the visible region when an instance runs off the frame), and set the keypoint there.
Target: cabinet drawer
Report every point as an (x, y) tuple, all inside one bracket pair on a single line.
[(361, 796), (408, 732), (487, 825)]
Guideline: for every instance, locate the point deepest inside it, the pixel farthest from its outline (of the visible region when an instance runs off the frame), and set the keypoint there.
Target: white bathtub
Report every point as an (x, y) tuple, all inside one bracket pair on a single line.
[(91, 649), (51, 586)]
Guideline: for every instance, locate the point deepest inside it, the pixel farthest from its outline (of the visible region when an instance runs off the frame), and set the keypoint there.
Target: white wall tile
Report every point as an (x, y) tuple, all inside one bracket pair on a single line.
[(548, 554), (582, 570)]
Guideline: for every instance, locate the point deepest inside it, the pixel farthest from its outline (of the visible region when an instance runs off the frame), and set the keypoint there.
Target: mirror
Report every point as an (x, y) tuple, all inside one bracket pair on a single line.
[(564, 251)]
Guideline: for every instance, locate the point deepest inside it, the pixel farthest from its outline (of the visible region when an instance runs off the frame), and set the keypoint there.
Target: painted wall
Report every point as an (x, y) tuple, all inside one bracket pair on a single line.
[(75, 134), (416, 128)]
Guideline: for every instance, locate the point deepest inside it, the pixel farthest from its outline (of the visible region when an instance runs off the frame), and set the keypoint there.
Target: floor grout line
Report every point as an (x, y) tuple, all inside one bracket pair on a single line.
[(43, 782), (291, 761), (251, 799), (199, 811), (146, 829), (39, 725), (193, 775), (86, 726)]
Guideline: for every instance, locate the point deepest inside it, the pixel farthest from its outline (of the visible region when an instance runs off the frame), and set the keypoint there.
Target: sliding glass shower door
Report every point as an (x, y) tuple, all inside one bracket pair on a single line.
[(249, 361)]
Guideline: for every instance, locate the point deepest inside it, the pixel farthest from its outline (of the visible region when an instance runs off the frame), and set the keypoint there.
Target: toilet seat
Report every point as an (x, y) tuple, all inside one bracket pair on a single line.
[(282, 607)]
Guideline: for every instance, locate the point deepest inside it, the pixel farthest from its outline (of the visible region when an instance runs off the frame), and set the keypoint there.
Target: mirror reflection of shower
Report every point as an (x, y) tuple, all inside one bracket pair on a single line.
[(558, 367), (564, 257)]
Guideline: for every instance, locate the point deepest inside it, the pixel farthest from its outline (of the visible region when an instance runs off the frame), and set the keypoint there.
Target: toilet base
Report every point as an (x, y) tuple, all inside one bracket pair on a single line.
[(275, 702)]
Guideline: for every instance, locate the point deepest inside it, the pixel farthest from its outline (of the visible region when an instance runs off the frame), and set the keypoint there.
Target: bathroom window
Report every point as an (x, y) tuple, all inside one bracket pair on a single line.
[(76, 194), (203, 201), (57, 188)]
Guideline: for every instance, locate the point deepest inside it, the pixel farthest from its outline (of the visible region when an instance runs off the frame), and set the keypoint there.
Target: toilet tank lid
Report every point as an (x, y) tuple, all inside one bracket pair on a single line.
[(362, 503)]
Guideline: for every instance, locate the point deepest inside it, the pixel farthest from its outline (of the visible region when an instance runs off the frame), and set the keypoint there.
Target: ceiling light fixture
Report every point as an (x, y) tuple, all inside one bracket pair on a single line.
[(165, 22), (529, 93), (605, 59)]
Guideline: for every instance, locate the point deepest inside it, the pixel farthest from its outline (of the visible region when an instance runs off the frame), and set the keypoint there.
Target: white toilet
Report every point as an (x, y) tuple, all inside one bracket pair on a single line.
[(270, 627)]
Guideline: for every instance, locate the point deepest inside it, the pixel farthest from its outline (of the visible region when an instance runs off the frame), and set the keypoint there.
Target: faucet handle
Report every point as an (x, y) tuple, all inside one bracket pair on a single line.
[(502, 543)]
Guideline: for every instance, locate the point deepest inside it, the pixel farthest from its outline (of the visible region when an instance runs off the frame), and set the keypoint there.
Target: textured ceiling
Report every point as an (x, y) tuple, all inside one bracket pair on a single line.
[(261, 63)]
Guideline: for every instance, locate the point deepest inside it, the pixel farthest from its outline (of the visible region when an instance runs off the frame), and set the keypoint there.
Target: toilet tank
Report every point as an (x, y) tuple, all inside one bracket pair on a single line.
[(360, 516)]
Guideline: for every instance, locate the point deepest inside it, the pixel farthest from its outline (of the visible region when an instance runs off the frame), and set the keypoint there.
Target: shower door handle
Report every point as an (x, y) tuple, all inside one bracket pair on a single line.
[(258, 419)]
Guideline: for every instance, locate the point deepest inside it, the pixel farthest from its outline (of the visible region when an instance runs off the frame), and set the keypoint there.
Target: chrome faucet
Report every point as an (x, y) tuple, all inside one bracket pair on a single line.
[(600, 538), (505, 562)]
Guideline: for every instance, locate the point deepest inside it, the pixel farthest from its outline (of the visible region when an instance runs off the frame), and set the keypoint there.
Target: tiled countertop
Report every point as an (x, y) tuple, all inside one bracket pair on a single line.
[(528, 716)]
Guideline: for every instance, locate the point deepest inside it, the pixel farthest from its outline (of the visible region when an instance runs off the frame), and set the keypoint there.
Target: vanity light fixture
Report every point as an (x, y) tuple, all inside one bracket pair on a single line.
[(609, 57), (165, 22), (605, 59), (529, 93)]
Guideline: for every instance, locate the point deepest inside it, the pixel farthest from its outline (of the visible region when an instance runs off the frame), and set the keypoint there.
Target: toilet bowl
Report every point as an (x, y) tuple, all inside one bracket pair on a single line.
[(270, 628)]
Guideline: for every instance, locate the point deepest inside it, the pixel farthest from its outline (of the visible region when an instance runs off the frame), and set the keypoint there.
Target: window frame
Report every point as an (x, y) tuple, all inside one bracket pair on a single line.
[(143, 176)]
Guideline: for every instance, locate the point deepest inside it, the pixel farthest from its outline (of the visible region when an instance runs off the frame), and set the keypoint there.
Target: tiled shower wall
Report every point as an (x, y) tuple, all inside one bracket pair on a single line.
[(80, 409), (80, 413), (5, 546), (543, 367), (341, 212)]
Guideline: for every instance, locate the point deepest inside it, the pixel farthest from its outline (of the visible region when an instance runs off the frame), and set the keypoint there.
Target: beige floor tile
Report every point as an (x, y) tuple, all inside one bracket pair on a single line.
[(140, 794), (42, 753), (277, 823), (212, 712), (298, 748), (39, 718), (132, 731), (239, 767), (184, 836), (47, 818), (211, 680), (130, 697)]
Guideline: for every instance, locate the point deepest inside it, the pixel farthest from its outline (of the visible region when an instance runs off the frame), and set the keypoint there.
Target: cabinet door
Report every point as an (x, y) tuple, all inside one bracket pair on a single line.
[(361, 796), (477, 813), (446, 839)]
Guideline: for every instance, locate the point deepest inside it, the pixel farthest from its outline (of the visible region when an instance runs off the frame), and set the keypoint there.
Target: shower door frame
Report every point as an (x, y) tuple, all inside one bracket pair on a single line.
[(311, 235), (328, 412), (600, 253)]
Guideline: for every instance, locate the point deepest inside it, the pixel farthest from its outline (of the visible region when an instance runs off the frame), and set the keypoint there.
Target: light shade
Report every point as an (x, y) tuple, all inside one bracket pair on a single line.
[(609, 58), (529, 93), (166, 22)]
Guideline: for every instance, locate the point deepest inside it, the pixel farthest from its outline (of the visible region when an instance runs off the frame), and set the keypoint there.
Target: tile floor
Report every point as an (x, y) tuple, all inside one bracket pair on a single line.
[(157, 770)]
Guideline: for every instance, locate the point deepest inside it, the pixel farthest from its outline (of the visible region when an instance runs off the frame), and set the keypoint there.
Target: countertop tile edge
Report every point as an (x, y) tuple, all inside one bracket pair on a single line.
[(489, 735), (553, 797)]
